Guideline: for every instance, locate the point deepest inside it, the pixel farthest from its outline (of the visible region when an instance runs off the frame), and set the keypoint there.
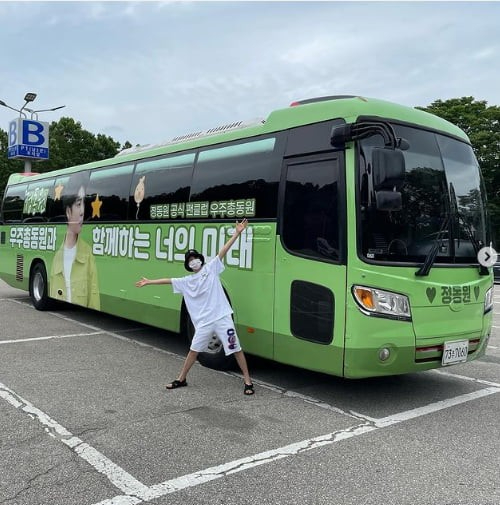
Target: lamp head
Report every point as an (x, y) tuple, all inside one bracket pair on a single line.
[(29, 97)]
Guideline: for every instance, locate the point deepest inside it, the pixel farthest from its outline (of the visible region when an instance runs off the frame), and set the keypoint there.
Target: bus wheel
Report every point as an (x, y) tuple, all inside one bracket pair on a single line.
[(214, 357), (39, 289)]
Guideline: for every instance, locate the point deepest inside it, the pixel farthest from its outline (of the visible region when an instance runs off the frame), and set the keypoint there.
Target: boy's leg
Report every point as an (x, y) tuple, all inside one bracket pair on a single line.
[(188, 363), (200, 337), (242, 363), (226, 332)]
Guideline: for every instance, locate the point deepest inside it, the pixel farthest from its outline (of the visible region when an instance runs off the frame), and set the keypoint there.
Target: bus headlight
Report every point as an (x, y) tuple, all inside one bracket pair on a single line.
[(378, 302), (488, 300)]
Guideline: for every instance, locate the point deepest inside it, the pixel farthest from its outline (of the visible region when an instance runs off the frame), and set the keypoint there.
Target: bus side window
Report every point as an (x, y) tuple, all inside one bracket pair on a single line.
[(13, 203), (108, 193), (159, 186), (56, 212), (38, 201), (310, 218), (240, 179)]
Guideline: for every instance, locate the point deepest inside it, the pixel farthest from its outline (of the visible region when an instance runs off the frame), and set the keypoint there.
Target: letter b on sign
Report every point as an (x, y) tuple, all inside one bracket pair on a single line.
[(12, 133), (33, 133)]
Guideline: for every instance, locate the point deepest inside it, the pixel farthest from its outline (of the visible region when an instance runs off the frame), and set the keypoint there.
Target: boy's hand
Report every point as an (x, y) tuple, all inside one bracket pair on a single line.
[(241, 225), (142, 282)]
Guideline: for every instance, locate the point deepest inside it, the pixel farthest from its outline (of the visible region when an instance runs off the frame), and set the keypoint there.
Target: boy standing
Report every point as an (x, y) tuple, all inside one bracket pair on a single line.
[(208, 307)]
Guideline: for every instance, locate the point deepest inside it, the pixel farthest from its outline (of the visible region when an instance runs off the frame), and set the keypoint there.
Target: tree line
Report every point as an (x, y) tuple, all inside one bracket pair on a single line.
[(71, 145), (482, 125)]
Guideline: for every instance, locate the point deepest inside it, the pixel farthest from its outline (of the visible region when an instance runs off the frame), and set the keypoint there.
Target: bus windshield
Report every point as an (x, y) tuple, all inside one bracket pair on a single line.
[(441, 202)]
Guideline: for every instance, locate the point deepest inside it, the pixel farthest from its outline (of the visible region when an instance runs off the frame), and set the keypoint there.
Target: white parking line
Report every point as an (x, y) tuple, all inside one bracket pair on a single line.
[(466, 378), (137, 492), (116, 475), (19, 340), (434, 407)]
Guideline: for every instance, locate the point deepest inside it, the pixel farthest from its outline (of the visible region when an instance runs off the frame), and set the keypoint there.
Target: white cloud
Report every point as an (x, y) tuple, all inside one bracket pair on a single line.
[(96, 10), (487, 53), (147, 71), (311, 51)]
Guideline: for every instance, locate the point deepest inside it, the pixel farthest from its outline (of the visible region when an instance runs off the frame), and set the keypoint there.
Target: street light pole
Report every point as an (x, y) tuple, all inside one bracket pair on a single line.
[(29, 97), (34, 113), (2, 103)]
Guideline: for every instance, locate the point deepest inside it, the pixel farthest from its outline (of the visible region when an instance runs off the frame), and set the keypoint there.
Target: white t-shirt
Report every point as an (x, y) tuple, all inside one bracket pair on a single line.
[(68, 259), (203, 293)]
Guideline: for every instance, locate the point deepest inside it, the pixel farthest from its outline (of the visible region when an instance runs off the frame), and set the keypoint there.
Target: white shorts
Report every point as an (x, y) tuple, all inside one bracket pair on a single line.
[(224, 329)]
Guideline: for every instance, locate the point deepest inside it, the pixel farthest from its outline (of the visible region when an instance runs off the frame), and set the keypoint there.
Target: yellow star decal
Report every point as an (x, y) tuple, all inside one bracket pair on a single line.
[(57, 191), (96, 207)]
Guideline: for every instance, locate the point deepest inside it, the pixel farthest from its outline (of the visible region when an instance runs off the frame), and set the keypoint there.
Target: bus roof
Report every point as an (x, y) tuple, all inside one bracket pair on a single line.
[(349, 108)]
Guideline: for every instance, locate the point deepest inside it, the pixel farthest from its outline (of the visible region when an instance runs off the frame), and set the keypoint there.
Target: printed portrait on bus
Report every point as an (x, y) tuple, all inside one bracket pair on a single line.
[(73, 276)]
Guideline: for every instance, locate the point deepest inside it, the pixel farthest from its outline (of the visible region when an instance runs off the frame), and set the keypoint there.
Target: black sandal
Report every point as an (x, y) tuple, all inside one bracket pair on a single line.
[(248, 391), (176, 384)]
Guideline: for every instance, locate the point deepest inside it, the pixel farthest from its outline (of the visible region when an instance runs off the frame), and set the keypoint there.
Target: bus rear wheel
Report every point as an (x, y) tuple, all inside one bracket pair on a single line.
[(39, 288), (215, 356)]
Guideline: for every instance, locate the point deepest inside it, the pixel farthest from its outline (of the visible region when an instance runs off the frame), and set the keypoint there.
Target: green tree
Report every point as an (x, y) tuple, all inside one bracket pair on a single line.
[(482, 125), (7, 166), (69, 145)]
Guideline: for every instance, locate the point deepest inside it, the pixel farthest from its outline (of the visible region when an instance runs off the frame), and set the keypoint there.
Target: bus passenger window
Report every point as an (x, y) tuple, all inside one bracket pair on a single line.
[(161, 185), (13, 204), (38, 201), (108, 193), (242, 172)]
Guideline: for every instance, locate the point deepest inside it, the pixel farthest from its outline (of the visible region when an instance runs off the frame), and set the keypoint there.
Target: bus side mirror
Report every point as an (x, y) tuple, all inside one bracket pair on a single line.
[(389, 201), (388, 168), (388, 176)]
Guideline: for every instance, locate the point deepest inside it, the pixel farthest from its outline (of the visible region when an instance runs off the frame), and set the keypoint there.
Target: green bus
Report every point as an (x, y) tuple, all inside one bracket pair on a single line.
[(360, 259)]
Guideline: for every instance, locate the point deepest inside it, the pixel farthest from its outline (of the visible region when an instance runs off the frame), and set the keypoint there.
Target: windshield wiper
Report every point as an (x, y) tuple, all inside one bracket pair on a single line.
[(475, 243), (431, 256)]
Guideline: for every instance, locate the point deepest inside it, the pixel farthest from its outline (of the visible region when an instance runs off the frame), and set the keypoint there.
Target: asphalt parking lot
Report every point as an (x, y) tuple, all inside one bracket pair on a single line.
[(85, 419)]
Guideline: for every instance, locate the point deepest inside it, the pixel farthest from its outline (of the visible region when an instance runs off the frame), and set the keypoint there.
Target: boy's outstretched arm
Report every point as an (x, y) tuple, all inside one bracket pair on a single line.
[(145, 282), (237, 231)]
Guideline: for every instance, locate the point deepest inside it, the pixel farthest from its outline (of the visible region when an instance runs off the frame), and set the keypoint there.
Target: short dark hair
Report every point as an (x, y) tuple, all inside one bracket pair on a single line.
[(71, 188)]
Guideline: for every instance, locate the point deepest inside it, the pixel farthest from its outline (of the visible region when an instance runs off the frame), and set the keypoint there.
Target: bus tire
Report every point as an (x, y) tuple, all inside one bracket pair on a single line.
[(215, 357), (39, 288)]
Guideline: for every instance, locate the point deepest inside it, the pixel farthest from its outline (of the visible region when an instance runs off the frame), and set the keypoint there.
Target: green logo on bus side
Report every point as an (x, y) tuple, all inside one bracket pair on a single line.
[(36, 201)]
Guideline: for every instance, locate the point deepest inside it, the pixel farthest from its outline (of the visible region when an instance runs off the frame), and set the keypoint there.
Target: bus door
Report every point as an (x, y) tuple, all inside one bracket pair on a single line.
[(310, 264)]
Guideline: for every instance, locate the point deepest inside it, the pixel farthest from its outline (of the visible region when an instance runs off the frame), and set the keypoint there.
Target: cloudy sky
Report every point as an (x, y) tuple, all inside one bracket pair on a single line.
[(148, 71)]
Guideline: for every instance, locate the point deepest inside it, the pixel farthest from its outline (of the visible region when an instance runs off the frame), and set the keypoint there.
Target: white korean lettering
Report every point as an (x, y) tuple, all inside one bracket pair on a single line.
[(166, 242), (141, 241), (125, 241), (98, 237), (209, 242), (111, 242), (184, 240)]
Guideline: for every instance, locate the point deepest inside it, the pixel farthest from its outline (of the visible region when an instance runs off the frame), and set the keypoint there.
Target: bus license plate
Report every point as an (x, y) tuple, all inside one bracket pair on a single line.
[(455, 352)]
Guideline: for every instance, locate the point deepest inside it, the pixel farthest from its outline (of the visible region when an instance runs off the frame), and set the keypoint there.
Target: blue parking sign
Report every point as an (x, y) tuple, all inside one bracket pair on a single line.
[(28, 139)]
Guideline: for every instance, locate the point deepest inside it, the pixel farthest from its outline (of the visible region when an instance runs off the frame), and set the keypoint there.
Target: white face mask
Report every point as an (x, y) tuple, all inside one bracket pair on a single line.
[(195, 264)]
